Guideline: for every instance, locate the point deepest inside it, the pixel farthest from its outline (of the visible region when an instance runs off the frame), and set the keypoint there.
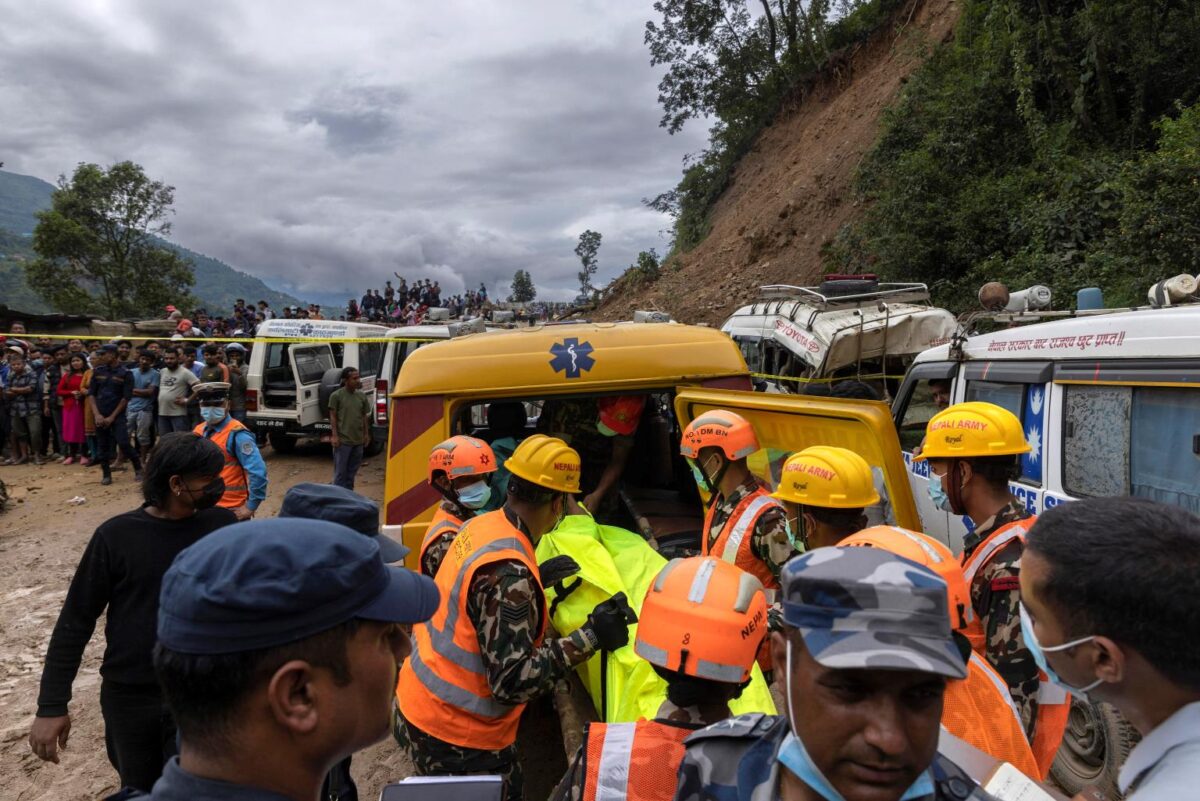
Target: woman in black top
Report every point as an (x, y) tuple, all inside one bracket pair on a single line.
[(122, 571)]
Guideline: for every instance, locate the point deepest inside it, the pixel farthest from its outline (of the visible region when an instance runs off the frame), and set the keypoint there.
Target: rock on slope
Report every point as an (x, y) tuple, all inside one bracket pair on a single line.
[(794, 190)]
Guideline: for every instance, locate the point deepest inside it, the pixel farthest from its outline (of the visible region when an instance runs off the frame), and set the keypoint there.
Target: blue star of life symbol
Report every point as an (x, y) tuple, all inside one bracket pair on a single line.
[(306, 329), (572, 357)]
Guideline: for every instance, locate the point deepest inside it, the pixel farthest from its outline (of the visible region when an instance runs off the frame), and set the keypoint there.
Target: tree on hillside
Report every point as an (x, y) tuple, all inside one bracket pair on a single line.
[(586, 250), (95, 248), (523, 289)]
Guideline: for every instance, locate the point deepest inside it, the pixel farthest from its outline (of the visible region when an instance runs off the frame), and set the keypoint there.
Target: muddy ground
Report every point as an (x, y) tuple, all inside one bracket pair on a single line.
[(42, 537)]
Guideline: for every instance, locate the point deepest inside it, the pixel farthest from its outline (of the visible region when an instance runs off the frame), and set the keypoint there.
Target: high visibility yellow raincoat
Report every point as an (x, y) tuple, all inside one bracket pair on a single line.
[(613, 560)]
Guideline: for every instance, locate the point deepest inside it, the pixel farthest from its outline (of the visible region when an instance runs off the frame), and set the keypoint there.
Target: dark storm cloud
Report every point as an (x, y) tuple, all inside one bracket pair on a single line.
[(325, 148)]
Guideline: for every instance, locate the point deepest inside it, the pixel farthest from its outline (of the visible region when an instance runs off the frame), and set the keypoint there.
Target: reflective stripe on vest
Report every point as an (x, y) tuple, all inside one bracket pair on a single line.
[(995, 541), (733, 545), (443, 688), (237, 484), (442, 521), (632, 761), (1054, 712), (1000, 684), (974, 711)]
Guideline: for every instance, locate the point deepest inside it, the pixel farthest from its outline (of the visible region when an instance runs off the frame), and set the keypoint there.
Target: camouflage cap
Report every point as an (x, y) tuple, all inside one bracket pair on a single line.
[(867, 608)]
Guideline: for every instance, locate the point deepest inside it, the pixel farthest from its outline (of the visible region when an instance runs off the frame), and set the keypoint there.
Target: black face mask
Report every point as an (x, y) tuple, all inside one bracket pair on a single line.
[(208, 495)]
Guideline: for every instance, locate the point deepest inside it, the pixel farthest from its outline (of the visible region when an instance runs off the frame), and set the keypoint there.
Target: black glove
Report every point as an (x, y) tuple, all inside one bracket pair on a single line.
[(557, 569), (610, 621)]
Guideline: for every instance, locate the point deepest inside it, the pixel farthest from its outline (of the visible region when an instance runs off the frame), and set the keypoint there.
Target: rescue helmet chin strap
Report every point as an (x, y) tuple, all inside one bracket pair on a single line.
[(714, 483)]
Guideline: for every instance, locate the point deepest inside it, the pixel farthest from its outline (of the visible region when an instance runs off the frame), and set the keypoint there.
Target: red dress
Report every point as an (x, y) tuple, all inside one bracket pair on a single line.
[(73, 431)]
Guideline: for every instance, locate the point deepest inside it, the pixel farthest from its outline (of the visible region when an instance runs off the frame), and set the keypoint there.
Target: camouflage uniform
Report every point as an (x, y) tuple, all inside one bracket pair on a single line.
[(771, 540), (855, 608), (505, 606), (574, 422), (571, 786), (437, 549), (994, 596)]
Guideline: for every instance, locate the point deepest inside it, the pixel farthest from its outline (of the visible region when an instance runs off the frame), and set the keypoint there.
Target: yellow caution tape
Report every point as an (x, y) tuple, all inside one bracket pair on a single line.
[(827, 380), (204, 340)]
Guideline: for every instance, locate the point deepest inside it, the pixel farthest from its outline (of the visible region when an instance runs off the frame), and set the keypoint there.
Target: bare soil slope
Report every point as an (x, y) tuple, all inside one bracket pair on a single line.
[(793, 191)]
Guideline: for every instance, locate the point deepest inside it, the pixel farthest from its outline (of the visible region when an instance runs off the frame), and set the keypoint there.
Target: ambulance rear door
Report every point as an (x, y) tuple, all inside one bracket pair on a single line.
[(789, 423), (309, 364)]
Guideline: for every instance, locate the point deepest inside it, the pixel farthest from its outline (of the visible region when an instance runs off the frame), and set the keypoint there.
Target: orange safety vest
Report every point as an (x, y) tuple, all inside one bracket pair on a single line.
[(237, 485), (980, 710), (634, 761), (1054, 703), (733, 543), (443, 523), (443, 688)]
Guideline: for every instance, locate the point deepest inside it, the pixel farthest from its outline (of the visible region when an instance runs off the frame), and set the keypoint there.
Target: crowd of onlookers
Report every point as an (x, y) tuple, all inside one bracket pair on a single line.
[(85, 401), (409, 304)]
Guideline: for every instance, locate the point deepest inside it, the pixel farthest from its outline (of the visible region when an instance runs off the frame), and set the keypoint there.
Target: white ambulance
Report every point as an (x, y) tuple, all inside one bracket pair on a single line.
[(295, 366), (1110, 403), (847, 326)]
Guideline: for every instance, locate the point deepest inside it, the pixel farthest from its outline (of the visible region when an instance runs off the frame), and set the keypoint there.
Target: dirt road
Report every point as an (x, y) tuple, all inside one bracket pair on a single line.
[(42, 537)]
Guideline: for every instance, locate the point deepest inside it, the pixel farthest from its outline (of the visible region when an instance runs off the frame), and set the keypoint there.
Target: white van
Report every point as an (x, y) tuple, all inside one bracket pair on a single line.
[(1110, 403), (289, 382), (849, 326)]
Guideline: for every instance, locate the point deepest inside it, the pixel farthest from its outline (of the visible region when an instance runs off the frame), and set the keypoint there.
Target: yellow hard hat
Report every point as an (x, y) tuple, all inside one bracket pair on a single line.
[(829, 477), (969, 430), (547, 462)]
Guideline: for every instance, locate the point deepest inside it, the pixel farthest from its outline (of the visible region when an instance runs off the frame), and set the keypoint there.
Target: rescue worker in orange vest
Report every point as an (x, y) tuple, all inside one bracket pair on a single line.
[(744, 524), (826, 491), (484, 655), (701, 625), (973, 451), (245, 472), (459, 469), (979, 709)]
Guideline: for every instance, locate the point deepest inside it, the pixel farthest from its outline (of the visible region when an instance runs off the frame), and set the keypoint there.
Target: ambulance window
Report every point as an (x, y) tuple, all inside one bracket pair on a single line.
[(916, 415), (311, 364), (1139, 441), (1096, 441), (1027, 402), (370, 355)]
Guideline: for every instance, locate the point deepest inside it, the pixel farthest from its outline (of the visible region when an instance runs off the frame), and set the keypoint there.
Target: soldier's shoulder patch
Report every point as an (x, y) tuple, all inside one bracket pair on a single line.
[(751, 725)]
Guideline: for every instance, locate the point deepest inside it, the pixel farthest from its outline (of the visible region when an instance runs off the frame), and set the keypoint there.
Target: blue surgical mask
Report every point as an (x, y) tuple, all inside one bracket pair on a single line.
[(212, 414), (475, 496), (1039, 656), (794, 756), (938, 495)]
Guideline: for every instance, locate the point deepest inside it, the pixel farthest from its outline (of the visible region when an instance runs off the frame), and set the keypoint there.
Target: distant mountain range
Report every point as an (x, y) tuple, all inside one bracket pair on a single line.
[(21, 196)]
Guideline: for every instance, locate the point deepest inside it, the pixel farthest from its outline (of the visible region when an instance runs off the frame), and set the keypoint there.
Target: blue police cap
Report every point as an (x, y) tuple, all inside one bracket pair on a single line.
[(340, 505), (264, 583)]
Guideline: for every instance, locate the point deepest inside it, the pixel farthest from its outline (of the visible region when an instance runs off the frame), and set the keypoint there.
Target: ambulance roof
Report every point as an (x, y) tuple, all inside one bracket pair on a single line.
[(555, 358), (318, 329), (830, 338), (1136, 334)]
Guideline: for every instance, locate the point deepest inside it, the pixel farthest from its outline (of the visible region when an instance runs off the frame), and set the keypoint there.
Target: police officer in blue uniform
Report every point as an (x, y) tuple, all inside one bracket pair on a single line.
[(867, 651), (278, 647)]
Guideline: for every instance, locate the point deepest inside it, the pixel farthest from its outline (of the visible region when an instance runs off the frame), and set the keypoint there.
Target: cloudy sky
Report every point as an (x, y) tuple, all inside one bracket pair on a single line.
[(323, 145)]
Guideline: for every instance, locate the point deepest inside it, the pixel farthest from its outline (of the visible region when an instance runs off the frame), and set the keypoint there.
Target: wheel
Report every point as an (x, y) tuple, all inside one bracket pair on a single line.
[(1094, 748), (376, 447), (848, 286), (281, 443)]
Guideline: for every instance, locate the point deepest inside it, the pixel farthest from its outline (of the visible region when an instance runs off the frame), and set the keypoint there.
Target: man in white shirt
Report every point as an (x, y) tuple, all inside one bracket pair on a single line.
[(1109, 590)]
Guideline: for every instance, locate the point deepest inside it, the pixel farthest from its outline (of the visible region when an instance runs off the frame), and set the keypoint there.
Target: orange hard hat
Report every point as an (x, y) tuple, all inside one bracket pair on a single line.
[(703, 617), (461, 456), (620, 414), (924, 550), (719, 429)]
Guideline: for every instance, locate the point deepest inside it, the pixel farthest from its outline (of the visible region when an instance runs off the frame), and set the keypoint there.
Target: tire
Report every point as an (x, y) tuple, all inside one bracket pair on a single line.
[(281, 443), (330, 382), (1094, 748), (848, 286), (375, 448)]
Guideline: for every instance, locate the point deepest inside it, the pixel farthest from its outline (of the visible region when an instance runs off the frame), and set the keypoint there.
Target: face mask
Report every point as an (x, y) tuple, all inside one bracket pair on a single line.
[(212, 414), (794, 756), (938, 495), (475, 496), (208, 495), (696, 474), (1039, 656)]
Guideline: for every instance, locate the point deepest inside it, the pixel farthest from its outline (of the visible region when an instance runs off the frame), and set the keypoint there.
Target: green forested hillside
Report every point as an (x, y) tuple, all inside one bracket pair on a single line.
[(1056, 143), (22, 196)]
